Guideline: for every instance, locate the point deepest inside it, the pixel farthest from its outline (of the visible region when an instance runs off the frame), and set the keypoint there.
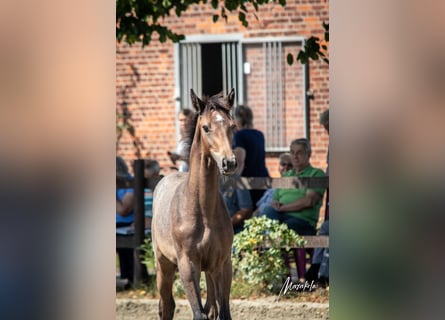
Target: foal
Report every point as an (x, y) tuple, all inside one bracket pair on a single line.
[(191, 227)]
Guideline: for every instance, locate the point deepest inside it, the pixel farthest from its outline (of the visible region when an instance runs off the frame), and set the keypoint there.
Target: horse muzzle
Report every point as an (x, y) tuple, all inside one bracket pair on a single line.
[(228, 166)]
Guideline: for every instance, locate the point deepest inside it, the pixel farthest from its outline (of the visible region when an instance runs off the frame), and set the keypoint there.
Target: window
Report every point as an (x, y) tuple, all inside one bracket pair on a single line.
[(207, 67), (257, 68), (275, 90)]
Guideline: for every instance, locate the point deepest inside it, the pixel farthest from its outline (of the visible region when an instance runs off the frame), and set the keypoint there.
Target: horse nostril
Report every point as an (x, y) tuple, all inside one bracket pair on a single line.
[(231, 164), (228, 165), (224, 163)]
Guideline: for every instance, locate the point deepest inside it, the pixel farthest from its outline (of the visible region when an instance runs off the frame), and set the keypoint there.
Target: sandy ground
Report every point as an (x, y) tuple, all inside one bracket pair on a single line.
[(266, 308)]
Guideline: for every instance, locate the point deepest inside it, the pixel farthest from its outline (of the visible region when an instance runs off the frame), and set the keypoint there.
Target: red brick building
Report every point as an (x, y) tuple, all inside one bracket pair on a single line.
[(153, 82)]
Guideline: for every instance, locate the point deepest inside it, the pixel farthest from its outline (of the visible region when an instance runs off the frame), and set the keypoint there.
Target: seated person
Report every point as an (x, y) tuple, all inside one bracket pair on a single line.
[(239, 205), (124, 217), (266, 200), (151, 171), (319, 270), (298, 207)]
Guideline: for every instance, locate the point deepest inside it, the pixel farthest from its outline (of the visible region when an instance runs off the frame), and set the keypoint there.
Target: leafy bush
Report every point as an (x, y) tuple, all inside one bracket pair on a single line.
[(257, 254), (148, 255)]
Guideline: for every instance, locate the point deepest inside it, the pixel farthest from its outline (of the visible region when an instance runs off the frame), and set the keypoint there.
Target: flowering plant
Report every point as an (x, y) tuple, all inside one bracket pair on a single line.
[(258, 251)]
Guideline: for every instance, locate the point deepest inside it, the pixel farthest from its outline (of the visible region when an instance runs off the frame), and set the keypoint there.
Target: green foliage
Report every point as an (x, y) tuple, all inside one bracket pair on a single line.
[(290, 59), (257, 257), (138, 20), (313, 49), (148, 254)]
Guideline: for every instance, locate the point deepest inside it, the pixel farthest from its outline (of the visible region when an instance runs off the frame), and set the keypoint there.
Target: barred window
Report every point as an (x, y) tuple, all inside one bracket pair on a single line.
[(257, 68)]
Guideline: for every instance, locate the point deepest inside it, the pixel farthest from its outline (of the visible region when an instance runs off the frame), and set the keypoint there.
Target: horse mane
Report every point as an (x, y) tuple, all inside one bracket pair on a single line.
[(216, 102), (189, 134)]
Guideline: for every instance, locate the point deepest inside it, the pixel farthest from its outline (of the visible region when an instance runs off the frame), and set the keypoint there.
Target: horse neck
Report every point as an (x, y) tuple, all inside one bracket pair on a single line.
[(203, 184)]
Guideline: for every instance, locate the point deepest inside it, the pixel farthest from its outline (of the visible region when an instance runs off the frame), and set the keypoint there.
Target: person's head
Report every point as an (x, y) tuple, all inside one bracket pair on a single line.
[(121, 167), (184, 117), (324, 119), (300, 150), (243, 116), (285, 163), (151, 168)]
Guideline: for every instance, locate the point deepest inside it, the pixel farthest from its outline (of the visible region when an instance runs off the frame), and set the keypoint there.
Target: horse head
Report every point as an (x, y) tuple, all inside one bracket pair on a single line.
[(215, 127)]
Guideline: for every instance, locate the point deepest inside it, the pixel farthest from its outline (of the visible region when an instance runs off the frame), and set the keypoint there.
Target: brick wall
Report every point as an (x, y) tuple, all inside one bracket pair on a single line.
[(146, 78)]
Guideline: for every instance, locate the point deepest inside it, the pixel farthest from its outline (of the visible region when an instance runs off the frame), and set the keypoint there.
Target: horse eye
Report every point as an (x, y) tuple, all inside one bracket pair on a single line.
[(206, 129), (233, 127)]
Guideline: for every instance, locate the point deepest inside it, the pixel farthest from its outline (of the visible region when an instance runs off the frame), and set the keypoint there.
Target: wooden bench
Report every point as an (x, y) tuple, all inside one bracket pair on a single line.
[(316, 241)]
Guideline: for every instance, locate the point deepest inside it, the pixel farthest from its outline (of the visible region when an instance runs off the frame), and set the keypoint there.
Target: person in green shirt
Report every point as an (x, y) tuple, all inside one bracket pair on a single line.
[(298, 207)]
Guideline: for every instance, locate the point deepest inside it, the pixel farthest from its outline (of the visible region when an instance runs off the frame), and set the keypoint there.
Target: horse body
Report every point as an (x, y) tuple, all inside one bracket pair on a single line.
[(206, 232), (191, 228)]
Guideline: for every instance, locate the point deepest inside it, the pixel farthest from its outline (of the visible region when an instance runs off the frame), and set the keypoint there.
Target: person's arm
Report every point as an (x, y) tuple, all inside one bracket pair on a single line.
[(126, 205), (265, 200), (245, 206), (240, 155), (240, 216), (309, 200), (275, 203)]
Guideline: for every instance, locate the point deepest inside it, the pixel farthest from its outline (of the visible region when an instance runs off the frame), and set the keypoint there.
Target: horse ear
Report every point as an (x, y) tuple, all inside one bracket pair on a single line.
[(196, 102), (231, 97)]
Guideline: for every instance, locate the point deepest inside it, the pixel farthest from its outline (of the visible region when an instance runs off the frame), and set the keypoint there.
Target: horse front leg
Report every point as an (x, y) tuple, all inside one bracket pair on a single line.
[(222, 278), (225, 285), (190, 273), (210, 308), (165, 276)]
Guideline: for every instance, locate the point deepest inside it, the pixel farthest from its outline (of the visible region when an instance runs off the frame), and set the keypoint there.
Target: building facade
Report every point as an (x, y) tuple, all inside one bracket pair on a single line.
[(153, 83)]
